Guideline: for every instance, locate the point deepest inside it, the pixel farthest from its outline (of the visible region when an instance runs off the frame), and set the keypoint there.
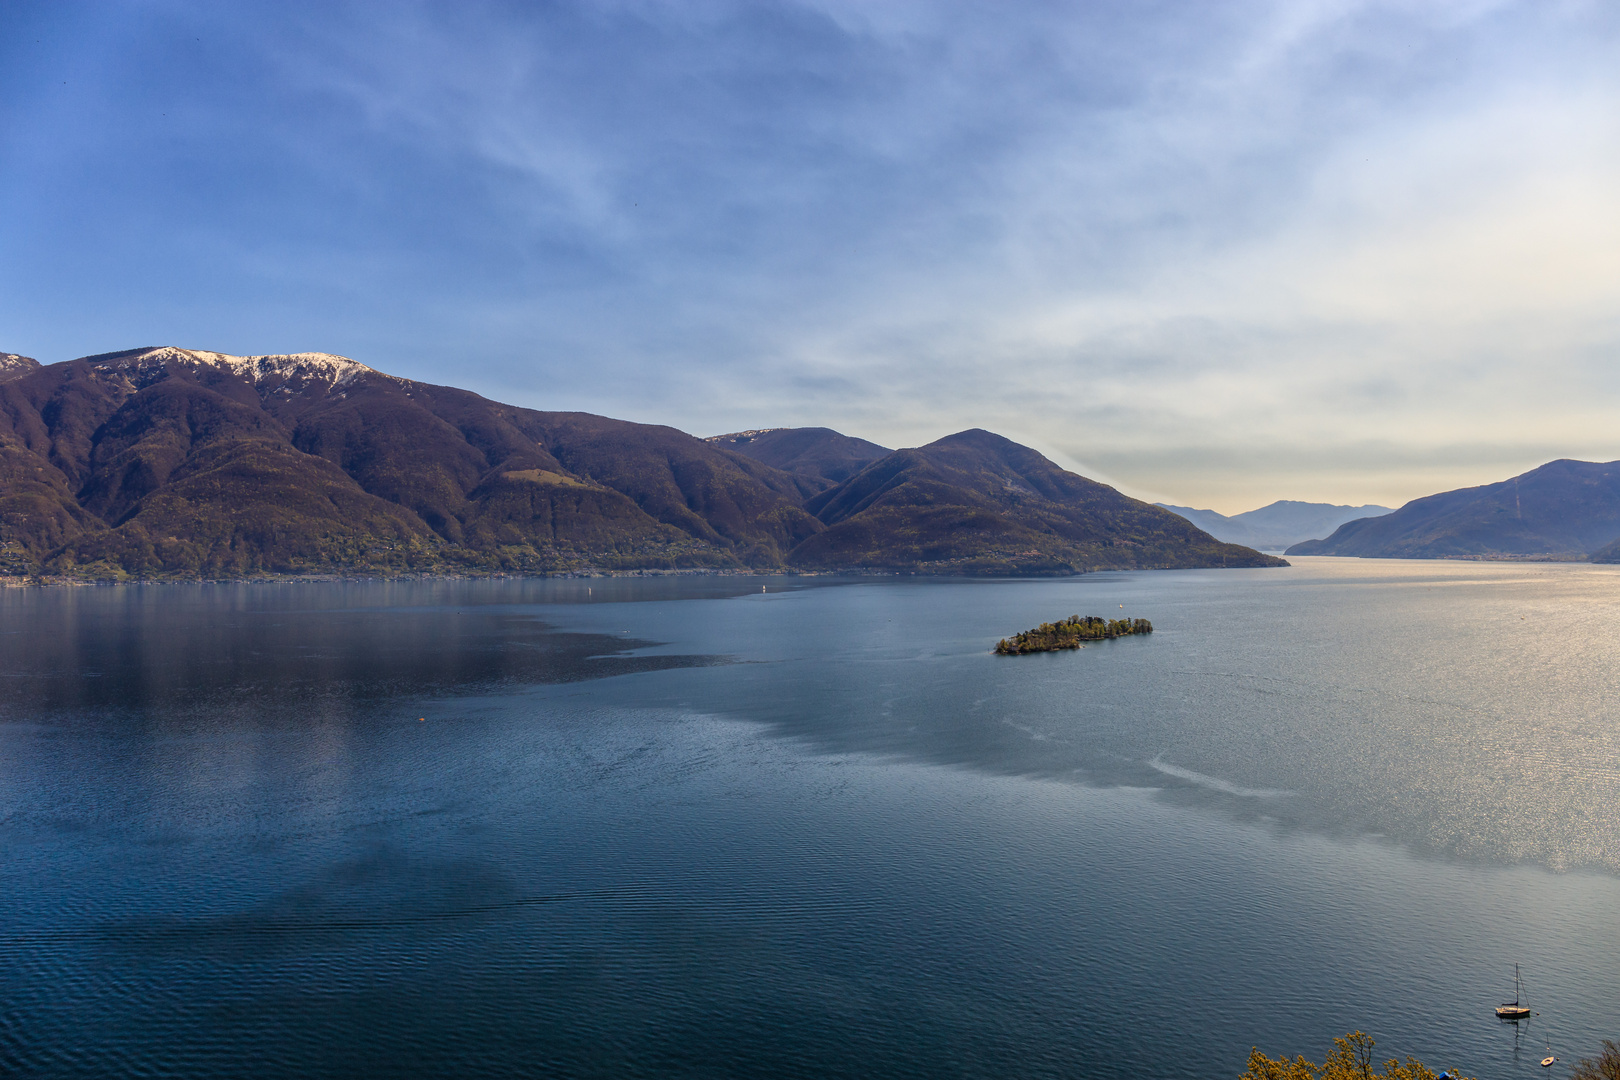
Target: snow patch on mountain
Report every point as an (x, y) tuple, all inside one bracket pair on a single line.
[(12, 365), (325, 367), (741, 436)]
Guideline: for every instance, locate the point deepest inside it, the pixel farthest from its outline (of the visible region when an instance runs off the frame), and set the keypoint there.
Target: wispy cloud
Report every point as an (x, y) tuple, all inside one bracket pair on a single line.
[(1221, 253)]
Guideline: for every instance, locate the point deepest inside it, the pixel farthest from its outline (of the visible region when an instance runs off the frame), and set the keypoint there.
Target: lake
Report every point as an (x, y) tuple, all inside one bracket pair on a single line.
[(809, 827)]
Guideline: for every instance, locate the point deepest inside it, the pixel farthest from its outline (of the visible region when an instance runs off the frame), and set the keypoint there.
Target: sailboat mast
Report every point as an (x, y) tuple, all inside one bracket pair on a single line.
[(1514, 1010)]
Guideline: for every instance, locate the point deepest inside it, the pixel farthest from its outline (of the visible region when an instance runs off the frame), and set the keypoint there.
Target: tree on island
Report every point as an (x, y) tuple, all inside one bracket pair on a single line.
[(1352, 1059), (1069, 633)]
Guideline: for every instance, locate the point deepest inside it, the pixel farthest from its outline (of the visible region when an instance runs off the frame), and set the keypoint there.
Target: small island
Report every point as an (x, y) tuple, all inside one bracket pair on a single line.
[(1069, 634)]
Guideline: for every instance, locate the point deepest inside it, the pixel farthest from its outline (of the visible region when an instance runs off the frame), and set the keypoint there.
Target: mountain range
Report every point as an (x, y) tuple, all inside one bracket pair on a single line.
[(1277, 526), (176, 463), (1562, 510)]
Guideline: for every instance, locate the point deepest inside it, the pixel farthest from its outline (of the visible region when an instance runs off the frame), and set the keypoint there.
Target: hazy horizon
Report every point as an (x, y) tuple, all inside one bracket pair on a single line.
[(1342, 251)]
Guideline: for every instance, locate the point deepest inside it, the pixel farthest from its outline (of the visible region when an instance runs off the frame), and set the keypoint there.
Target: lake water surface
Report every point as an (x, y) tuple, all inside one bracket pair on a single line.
[(803, 827)]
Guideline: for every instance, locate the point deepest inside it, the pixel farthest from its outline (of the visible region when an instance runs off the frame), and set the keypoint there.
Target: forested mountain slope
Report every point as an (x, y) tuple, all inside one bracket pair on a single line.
[(976, 501), (162, 461), (176, 463)]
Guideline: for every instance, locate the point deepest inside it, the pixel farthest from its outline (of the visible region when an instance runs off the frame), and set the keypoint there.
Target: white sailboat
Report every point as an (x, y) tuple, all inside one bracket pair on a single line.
[(1515, 1009)]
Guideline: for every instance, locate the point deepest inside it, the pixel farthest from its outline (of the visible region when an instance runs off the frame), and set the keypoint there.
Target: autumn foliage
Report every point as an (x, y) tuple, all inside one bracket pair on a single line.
[(1351, 1059)]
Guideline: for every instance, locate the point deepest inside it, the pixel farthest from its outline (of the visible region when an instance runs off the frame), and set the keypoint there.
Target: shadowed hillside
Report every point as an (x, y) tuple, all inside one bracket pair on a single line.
[(1564, 509), (975, 502)]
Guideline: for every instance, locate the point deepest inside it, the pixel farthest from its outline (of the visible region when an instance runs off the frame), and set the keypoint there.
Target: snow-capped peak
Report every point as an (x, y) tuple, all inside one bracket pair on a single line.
[(11, 363), (326, 367)]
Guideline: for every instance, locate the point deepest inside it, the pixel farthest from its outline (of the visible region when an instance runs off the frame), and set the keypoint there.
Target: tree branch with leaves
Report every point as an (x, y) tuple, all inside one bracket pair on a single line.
[(1351, 1059)]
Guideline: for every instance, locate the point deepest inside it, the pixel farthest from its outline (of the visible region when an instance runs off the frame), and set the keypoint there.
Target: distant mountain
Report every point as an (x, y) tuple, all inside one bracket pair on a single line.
[(976, 502), (1277, 526), (815, 451), (13, 366), (1608, 553), (175, 463), (1564, 509)]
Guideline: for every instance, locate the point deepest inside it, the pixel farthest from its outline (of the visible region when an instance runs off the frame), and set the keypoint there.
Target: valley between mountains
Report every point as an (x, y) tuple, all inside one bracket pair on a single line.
[(169, 463)]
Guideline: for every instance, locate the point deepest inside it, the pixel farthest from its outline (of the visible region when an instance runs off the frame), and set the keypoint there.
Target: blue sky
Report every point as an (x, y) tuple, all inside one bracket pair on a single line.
[(1215, 253)]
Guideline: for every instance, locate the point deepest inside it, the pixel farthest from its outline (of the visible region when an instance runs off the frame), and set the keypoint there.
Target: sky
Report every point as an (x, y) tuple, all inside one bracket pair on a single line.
[(1215, 254)]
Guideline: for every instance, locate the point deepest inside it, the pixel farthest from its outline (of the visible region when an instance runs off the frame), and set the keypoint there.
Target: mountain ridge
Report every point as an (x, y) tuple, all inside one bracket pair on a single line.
[(1277, 525), (815, 451), (983, 500), (164, 462), (1565, 509)]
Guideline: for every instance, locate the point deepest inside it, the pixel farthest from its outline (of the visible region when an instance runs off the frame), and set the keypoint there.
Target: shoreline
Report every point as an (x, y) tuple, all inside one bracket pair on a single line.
[(16, 581), (23, 581)]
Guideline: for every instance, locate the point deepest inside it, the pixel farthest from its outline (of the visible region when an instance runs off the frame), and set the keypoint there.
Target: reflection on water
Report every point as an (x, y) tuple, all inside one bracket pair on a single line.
[(805, 827), (159, 650)]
